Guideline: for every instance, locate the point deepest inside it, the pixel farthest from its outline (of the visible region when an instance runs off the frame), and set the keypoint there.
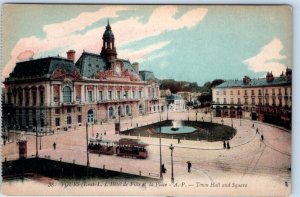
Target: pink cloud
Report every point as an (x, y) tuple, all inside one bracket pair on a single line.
[(25, 55), (267, 59), (63, 36)]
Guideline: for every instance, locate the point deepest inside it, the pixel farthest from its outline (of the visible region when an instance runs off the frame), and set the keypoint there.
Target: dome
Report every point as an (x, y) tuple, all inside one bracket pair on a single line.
[(108, 32)]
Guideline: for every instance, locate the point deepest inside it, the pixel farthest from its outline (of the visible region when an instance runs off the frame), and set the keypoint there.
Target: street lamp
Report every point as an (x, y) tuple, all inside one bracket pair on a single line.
[(196, 115), (168, 111), (160, 156), (188, 114), (87, 146), (172, 175)]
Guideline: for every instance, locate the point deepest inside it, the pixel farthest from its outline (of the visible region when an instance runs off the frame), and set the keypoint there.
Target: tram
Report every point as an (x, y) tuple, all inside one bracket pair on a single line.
[(101, 146), (131, 148)]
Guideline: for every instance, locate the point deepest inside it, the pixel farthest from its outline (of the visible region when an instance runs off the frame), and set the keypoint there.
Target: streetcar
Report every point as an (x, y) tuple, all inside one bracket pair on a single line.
[(101, 146), (126, 147)]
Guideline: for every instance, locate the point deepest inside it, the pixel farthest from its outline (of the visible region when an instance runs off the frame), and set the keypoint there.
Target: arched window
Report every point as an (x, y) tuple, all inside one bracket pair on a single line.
[(111, 112), (127, 110), (119, 111), (91, 116), (67, 94), (141, 109)]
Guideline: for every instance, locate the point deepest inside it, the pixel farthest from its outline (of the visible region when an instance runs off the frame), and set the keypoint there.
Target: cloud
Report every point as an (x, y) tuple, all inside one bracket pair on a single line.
[(142, 54), (64, 35), (25, 55), (268, 59)]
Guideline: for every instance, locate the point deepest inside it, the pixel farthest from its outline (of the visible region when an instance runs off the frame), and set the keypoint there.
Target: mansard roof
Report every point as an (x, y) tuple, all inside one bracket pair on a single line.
[(89, 64), (41, 68), (260, 82)]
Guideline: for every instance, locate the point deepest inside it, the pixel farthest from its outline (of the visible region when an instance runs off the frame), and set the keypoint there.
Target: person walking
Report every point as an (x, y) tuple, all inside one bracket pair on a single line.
[(179, 141), (54, 146), (189, 166), (262, 137), (257, 132), (224, 144), (228, 146), (163, 169)]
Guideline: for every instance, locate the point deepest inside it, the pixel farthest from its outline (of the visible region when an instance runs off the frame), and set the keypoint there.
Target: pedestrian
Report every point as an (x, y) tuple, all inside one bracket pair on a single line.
[(54, 145), (253, 125), (97, 135), (189, 166), (224, 144), (104, 132), (163, 169), (262, 137), (228, 146), (257, 131), (179, 141)]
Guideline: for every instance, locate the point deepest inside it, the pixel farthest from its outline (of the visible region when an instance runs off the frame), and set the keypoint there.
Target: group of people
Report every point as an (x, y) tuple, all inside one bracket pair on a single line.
[(97, 134), (226, 145)]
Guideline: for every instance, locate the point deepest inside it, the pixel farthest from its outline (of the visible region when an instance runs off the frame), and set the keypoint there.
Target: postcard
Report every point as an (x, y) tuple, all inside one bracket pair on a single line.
[(169, 100)]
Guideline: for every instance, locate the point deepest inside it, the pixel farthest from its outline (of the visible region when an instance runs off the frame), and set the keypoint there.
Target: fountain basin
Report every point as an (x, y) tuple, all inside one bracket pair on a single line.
[(174, 130)]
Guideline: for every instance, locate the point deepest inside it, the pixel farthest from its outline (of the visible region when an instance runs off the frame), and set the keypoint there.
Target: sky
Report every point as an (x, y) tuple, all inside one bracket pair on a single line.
[(187, 43)]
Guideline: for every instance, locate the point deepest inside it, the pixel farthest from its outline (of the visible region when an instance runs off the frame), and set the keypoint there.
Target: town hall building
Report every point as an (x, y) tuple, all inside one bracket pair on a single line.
[(57, 93)]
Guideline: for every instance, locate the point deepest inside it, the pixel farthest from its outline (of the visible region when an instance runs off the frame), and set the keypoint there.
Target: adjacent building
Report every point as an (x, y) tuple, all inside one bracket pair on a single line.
[(266, 99), (57, 93)]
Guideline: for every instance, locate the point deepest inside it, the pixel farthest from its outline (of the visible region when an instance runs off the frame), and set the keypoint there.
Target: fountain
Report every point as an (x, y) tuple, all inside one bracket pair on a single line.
[(177, 127), (176, 124)]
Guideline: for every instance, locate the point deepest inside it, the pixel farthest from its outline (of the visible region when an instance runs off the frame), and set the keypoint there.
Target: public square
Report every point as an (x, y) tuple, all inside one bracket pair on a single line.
[(250, 166)]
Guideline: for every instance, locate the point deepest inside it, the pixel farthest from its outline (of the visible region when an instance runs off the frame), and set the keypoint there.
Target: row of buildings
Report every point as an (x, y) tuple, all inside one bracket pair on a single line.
[(57, 93), (266, 99)]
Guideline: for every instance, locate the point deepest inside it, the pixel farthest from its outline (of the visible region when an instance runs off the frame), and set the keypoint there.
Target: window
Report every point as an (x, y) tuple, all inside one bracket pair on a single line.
[(57, 122), (279, 90), (273, 91), (118, 95), (69, 120), (231, 92), (218, 100), (224, 101), (109, 95), (259, 101), (217, 92), (252, 101), (69, 110), (20, 97), (26, 97), (246, 101), (133, 94), (126, 94), (127, 110), (90, 96), (79, 119), (140, 94), (259, 92), (79, 109), (33, 97), (285, 91), (252, 92), (57, 111), (41, 97), (239, 101), (231, 100), (67, 94), (224, 92), (238, 92), (246, 92), (100, 95)]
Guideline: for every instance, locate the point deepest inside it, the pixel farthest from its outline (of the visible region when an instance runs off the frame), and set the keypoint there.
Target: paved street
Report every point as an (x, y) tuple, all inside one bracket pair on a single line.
[(249, 161)]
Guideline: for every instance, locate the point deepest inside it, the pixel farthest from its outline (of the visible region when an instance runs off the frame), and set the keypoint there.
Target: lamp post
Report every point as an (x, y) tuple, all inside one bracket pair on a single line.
[(231, 121), (87, 146), (172, 173), (160, 156), (196, 115), (36, 142), (188, 114)]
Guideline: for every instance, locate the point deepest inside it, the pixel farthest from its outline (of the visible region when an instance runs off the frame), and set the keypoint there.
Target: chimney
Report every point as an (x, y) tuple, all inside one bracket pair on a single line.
[(136, 66), (71, 55), (246, 80)]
